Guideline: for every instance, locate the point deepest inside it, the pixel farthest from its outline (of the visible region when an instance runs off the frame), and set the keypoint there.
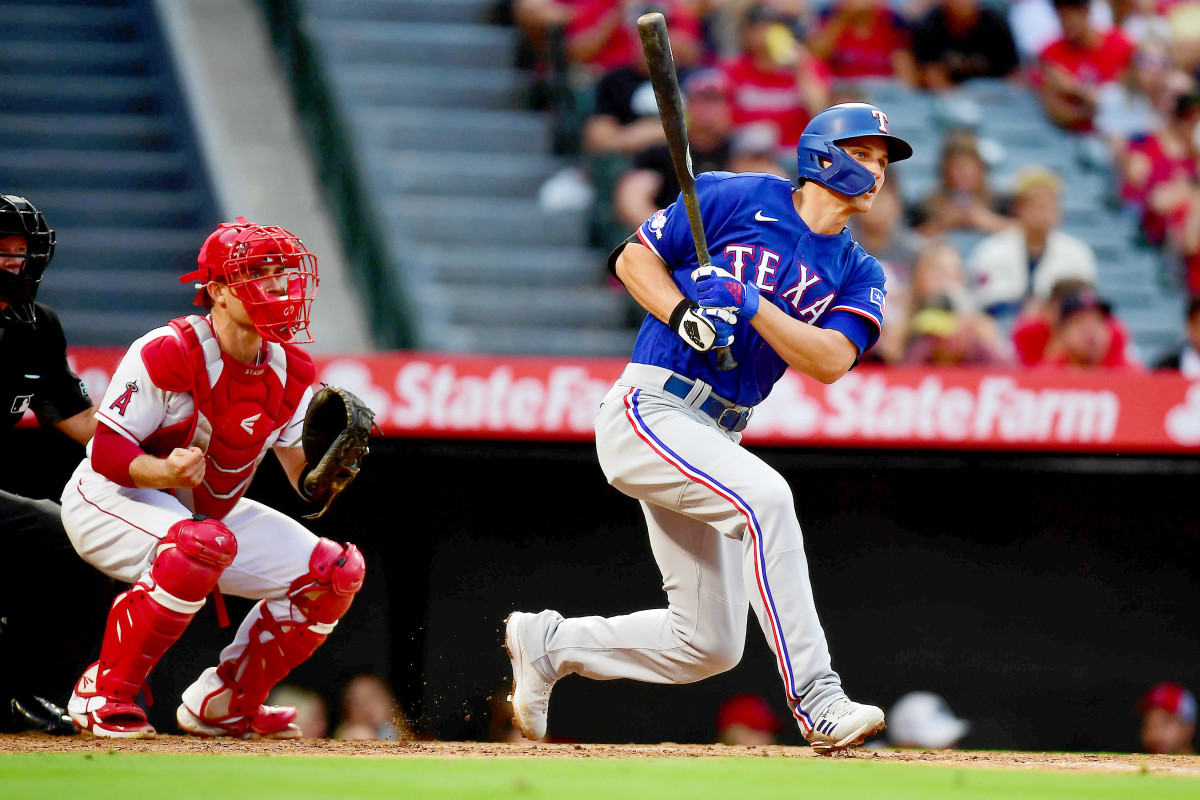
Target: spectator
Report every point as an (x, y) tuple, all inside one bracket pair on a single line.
[(1028, 258), (500, 726), (924, 720), (1160, 171), (945, 328), (1140, 104), (1071, 71), (1035, 26), (864, 39), (1074, 328), (1190, 244), (1182, 19), (1141, 21), (964, 200), (723, 20), (625, 118), (747, 719), (1168, 713), (884, 232), (497, 725), (938, 273), (755, 148), (938, 336), (369, 711), (1187, 358), (602, 34), (311, 715), (537, 18), (960, 39), (775, 79), (652, 184)]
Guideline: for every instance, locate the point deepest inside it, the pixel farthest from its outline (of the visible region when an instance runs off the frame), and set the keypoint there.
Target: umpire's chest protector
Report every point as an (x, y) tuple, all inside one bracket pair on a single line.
[(239, 408)]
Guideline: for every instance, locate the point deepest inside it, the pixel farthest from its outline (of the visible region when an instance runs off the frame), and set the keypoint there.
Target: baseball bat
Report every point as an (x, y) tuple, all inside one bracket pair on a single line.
[(661, 63)]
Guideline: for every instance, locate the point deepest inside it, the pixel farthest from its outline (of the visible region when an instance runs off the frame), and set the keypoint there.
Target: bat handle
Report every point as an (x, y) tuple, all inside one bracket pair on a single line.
[(725, 359)]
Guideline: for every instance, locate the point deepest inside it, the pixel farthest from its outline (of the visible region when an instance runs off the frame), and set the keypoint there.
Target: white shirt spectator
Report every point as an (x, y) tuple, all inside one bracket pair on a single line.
[(999, 266)]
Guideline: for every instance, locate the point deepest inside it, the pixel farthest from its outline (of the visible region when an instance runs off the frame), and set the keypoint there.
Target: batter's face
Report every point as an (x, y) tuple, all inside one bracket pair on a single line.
[(872, 153)]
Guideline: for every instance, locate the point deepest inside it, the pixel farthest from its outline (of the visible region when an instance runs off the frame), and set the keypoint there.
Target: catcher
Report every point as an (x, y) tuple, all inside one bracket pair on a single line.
[(191, 411)]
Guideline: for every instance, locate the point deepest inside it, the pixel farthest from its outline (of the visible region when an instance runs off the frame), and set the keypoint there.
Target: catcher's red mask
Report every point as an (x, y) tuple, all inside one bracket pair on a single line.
[(267, 268)]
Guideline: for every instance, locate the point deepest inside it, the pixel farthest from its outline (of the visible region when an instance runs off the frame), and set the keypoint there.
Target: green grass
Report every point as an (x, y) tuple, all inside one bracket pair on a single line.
[(64, 776)]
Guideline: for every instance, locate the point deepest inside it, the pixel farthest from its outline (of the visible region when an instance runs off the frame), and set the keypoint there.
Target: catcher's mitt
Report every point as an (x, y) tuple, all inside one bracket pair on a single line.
[(336, 428)]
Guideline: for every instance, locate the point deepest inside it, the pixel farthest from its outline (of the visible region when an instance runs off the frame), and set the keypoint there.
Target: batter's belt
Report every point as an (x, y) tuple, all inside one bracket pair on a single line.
[(696, 394)]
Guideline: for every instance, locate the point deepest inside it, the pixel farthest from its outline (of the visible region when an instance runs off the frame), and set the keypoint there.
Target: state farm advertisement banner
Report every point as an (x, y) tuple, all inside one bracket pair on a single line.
[(491, 397)]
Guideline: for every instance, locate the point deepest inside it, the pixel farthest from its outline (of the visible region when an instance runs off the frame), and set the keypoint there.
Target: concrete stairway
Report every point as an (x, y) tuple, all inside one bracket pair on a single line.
[(454, 164), (93, 131)]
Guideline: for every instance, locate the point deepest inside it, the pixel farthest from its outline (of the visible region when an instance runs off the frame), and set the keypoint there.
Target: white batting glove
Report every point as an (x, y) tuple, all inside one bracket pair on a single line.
[(702, 328)]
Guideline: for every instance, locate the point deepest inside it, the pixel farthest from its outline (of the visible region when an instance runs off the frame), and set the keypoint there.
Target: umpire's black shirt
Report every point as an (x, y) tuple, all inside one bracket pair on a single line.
[(34, 372)]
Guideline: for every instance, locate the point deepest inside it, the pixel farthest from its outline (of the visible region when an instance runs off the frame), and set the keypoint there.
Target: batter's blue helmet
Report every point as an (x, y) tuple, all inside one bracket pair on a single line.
[(819, 143)]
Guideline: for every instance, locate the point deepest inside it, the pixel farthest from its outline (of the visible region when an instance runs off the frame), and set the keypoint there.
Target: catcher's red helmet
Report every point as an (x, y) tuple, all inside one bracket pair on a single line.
[(266, 267)]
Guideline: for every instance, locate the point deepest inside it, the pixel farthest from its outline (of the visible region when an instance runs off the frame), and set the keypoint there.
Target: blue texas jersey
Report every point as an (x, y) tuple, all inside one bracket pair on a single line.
[(754, 232)]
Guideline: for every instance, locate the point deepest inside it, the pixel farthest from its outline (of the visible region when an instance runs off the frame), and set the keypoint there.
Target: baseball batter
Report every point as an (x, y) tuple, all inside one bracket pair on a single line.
[(789, 287), (42, 631), (192, 409)]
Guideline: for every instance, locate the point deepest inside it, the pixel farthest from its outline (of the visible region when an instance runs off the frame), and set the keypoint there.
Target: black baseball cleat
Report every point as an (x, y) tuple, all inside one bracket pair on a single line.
[(28, 712)]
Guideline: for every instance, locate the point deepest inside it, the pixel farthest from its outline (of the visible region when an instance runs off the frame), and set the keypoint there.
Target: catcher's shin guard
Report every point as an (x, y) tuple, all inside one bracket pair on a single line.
[(335, 574), (276, 646), (146, 620)]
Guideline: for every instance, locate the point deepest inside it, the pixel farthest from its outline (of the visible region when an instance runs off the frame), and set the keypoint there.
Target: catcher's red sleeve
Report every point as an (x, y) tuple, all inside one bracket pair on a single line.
[(112, 454)]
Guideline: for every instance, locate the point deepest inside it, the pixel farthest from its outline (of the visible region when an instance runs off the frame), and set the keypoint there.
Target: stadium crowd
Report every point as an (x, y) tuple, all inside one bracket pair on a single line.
[(1119, 76)]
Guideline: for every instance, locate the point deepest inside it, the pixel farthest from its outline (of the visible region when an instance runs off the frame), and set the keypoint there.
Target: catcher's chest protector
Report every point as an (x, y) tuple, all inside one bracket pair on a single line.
[(238, 406)]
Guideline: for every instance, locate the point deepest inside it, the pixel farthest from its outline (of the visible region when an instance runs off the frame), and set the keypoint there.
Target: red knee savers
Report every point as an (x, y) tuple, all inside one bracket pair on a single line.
[(335, 574), (192, 556)]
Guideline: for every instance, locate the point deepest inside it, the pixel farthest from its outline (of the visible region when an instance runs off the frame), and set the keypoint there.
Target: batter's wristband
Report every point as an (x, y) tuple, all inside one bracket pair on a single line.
[(685, 305)]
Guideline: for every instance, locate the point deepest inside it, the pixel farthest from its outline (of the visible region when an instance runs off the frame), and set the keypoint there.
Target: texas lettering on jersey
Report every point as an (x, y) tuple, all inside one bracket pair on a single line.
[(754, 232), (764, 276)]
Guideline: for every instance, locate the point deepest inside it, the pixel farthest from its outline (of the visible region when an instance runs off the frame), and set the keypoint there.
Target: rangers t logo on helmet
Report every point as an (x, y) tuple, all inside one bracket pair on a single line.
[(822, 160)]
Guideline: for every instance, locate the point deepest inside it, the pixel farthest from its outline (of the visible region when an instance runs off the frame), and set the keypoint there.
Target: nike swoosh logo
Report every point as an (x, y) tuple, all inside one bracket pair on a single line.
[(759, 216)]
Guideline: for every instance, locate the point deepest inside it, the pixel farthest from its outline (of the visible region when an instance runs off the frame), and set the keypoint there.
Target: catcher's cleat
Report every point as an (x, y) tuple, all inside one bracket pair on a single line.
[(531, 692), (842, 724), (104, 716), (269, 722), (33, 713)]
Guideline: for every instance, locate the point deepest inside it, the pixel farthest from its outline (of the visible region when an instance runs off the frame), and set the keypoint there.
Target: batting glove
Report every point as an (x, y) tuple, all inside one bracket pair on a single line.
[(721, 290), (702, 328)]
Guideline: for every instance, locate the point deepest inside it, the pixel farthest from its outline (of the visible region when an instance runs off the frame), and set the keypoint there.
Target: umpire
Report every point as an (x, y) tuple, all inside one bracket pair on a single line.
[(48, 594)]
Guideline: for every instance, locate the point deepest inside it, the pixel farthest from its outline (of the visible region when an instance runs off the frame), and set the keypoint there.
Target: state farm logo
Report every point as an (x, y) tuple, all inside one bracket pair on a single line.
[(1183, 421), (997, 409), (433, 396)]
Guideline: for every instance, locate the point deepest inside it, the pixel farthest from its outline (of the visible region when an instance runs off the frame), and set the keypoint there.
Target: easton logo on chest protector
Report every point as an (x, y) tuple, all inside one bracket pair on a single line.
[(241, 406)]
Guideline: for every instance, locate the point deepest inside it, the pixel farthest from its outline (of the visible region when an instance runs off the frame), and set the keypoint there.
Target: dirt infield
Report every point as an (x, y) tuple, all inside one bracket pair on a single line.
[(1076, 762)]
